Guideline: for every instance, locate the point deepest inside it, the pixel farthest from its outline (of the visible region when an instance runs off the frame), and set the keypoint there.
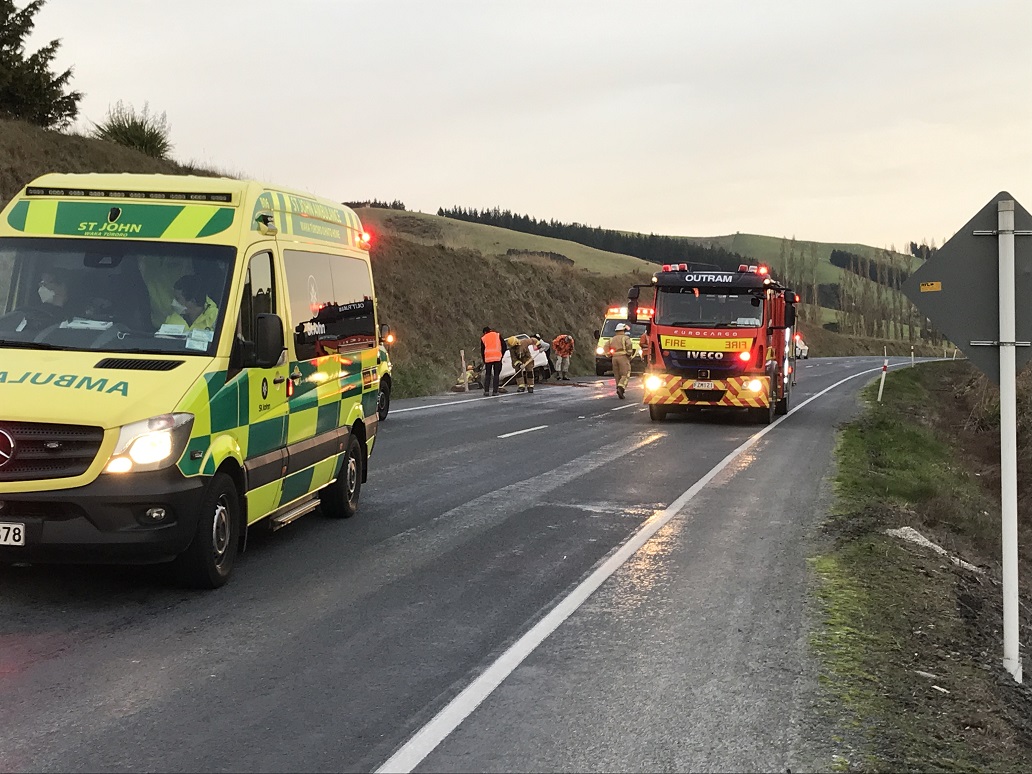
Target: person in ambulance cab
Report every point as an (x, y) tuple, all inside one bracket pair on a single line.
[(191, 307)]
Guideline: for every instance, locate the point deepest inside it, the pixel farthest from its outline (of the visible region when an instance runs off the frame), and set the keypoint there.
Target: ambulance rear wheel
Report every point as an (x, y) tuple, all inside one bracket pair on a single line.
[(340, 499), (600, 370), (208, 561), (657, 413)]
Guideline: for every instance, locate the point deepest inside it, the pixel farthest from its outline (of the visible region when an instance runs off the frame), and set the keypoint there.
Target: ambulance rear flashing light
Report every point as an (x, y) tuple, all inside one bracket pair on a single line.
[(675, 267)]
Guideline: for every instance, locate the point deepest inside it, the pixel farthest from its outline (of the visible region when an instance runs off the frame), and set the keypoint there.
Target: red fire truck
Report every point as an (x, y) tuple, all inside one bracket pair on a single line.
[(718, 339)]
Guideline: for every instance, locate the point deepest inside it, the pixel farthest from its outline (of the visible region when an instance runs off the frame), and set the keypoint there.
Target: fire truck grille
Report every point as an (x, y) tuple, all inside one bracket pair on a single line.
[(37, 450), (709, 396)]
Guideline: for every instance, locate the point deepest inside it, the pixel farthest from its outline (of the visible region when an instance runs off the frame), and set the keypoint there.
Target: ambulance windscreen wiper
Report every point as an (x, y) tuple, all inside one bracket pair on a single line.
[(16, 344)]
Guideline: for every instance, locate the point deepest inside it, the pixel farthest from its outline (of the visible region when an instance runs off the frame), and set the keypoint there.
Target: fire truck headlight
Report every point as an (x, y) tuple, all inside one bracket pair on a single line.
[(755, 385), (600, 350), (653, 383)]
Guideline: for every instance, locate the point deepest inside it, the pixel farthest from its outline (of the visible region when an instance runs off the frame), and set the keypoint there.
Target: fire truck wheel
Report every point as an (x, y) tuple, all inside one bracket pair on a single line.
[(657, 413), (765, 415)]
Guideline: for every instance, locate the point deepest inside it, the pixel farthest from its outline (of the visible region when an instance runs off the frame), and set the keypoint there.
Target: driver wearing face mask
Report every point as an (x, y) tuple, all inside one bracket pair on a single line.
[(53, 288), (191, 307)]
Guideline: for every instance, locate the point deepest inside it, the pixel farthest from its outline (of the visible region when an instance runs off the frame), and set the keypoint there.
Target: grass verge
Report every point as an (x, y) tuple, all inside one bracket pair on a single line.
[(910, 643)]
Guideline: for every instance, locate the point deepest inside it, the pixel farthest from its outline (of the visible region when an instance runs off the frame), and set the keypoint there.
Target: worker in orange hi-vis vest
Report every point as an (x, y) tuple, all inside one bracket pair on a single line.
[(491, 351), (562, 346)]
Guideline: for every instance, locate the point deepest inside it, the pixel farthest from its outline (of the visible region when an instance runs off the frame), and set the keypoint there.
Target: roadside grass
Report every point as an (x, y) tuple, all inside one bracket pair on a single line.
[(909, 643)]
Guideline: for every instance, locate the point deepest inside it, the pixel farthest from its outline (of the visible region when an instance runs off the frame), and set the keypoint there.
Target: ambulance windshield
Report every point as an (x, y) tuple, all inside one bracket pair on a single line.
[(699, 308), (112, 295)]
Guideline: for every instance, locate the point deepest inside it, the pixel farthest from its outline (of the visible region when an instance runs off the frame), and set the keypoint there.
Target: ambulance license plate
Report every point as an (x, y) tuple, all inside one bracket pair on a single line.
[(12, 534), (702, 386)]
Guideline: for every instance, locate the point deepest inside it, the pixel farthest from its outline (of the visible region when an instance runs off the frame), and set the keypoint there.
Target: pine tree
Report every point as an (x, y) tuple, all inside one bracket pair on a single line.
[(28, 89)]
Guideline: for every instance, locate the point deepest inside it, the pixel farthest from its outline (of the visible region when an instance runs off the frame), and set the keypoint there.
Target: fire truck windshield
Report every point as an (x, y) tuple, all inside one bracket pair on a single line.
[(682, 307)]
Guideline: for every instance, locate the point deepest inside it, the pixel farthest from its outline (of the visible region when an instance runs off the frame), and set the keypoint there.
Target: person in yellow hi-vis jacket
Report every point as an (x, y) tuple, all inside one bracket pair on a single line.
[(622, 349), (522, 354)]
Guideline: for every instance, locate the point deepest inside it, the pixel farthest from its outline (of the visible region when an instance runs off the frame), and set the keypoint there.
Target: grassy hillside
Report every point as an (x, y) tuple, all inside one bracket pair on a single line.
[(493, 241)]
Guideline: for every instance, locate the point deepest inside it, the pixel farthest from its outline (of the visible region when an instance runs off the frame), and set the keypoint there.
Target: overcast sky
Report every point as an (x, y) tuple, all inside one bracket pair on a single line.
[(867, 121)]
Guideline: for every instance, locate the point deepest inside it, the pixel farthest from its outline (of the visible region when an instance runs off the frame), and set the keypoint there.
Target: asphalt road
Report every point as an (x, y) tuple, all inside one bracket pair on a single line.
[(533, 582)]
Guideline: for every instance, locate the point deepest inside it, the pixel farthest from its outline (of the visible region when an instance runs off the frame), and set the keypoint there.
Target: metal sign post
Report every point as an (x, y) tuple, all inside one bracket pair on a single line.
[(954, 289), (1008, 440)]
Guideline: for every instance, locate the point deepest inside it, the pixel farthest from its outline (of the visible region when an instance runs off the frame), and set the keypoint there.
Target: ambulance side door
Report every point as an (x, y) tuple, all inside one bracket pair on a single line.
[(263, 394)]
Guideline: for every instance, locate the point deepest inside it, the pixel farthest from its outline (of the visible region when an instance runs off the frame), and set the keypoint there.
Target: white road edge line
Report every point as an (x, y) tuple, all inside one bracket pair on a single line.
[(424, 741), (520, 432), (621, 408)]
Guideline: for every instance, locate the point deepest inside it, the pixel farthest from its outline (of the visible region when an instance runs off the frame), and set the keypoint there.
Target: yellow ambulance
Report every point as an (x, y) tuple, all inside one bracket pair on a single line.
[(603, 353), (180, 359)]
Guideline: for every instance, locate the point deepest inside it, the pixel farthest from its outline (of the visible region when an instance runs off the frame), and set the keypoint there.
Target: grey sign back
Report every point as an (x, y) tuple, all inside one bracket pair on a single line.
[(958, 288)]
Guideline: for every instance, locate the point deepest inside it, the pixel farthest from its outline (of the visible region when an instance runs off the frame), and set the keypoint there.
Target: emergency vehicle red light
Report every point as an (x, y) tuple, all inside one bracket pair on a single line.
[(666, 267), (646, 312), (682, 266), (742, 267), (798, 337), (763, 270), (390, 338), (745, 356), (614, 310)]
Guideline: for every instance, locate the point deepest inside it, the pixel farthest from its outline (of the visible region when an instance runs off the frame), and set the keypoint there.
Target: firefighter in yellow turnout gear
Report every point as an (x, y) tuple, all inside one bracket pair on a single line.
[(523, 360), (623, 350)]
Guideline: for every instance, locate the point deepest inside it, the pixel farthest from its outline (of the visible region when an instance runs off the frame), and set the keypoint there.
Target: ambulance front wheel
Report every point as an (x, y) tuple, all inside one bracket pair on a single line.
[(340, 499), (208, 561), (657, 413)]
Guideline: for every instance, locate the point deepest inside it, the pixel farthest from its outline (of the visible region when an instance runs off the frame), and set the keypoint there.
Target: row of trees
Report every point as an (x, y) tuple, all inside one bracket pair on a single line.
[(397, 204), (868, 299), (648, 247)]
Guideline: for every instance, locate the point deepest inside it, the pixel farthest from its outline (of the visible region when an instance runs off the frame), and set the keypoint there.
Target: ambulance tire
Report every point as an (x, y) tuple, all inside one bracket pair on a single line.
[(657, 413), (340, 499), (600, 370), (208, 561), (383, 400)]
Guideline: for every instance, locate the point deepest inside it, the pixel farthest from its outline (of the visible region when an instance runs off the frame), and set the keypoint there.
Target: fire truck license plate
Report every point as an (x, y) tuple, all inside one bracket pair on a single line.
[(12, 534), (702, 386)]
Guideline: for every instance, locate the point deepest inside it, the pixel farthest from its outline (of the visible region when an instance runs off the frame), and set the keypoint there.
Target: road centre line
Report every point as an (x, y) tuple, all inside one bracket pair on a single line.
[(426, 739), (520, 432)]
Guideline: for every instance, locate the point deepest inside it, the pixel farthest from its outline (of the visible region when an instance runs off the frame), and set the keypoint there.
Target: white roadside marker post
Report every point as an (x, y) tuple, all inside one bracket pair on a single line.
[(884, 369), (465, 379)]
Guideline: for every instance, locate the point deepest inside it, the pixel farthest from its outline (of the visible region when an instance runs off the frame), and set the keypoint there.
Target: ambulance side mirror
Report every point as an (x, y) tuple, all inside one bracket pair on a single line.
[(596, 333), (269, 340)]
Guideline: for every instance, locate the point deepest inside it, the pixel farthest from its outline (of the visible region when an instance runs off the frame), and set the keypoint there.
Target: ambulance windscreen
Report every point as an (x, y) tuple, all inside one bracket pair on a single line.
[(112, 295)]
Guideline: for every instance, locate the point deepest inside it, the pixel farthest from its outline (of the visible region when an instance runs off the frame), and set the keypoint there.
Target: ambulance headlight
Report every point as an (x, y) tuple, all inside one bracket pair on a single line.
[(653, 383), (756, 385), (150, 444), (600, 350)]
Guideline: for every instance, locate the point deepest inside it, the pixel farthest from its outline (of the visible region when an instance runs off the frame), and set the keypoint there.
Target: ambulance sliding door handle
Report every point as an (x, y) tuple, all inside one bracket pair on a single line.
[(279, 379), (295, 375)]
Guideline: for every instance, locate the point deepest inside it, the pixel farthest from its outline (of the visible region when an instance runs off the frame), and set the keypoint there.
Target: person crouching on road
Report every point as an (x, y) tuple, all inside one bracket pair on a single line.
[(522, 354), (623, 350), (562, 346), (491, 351)]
